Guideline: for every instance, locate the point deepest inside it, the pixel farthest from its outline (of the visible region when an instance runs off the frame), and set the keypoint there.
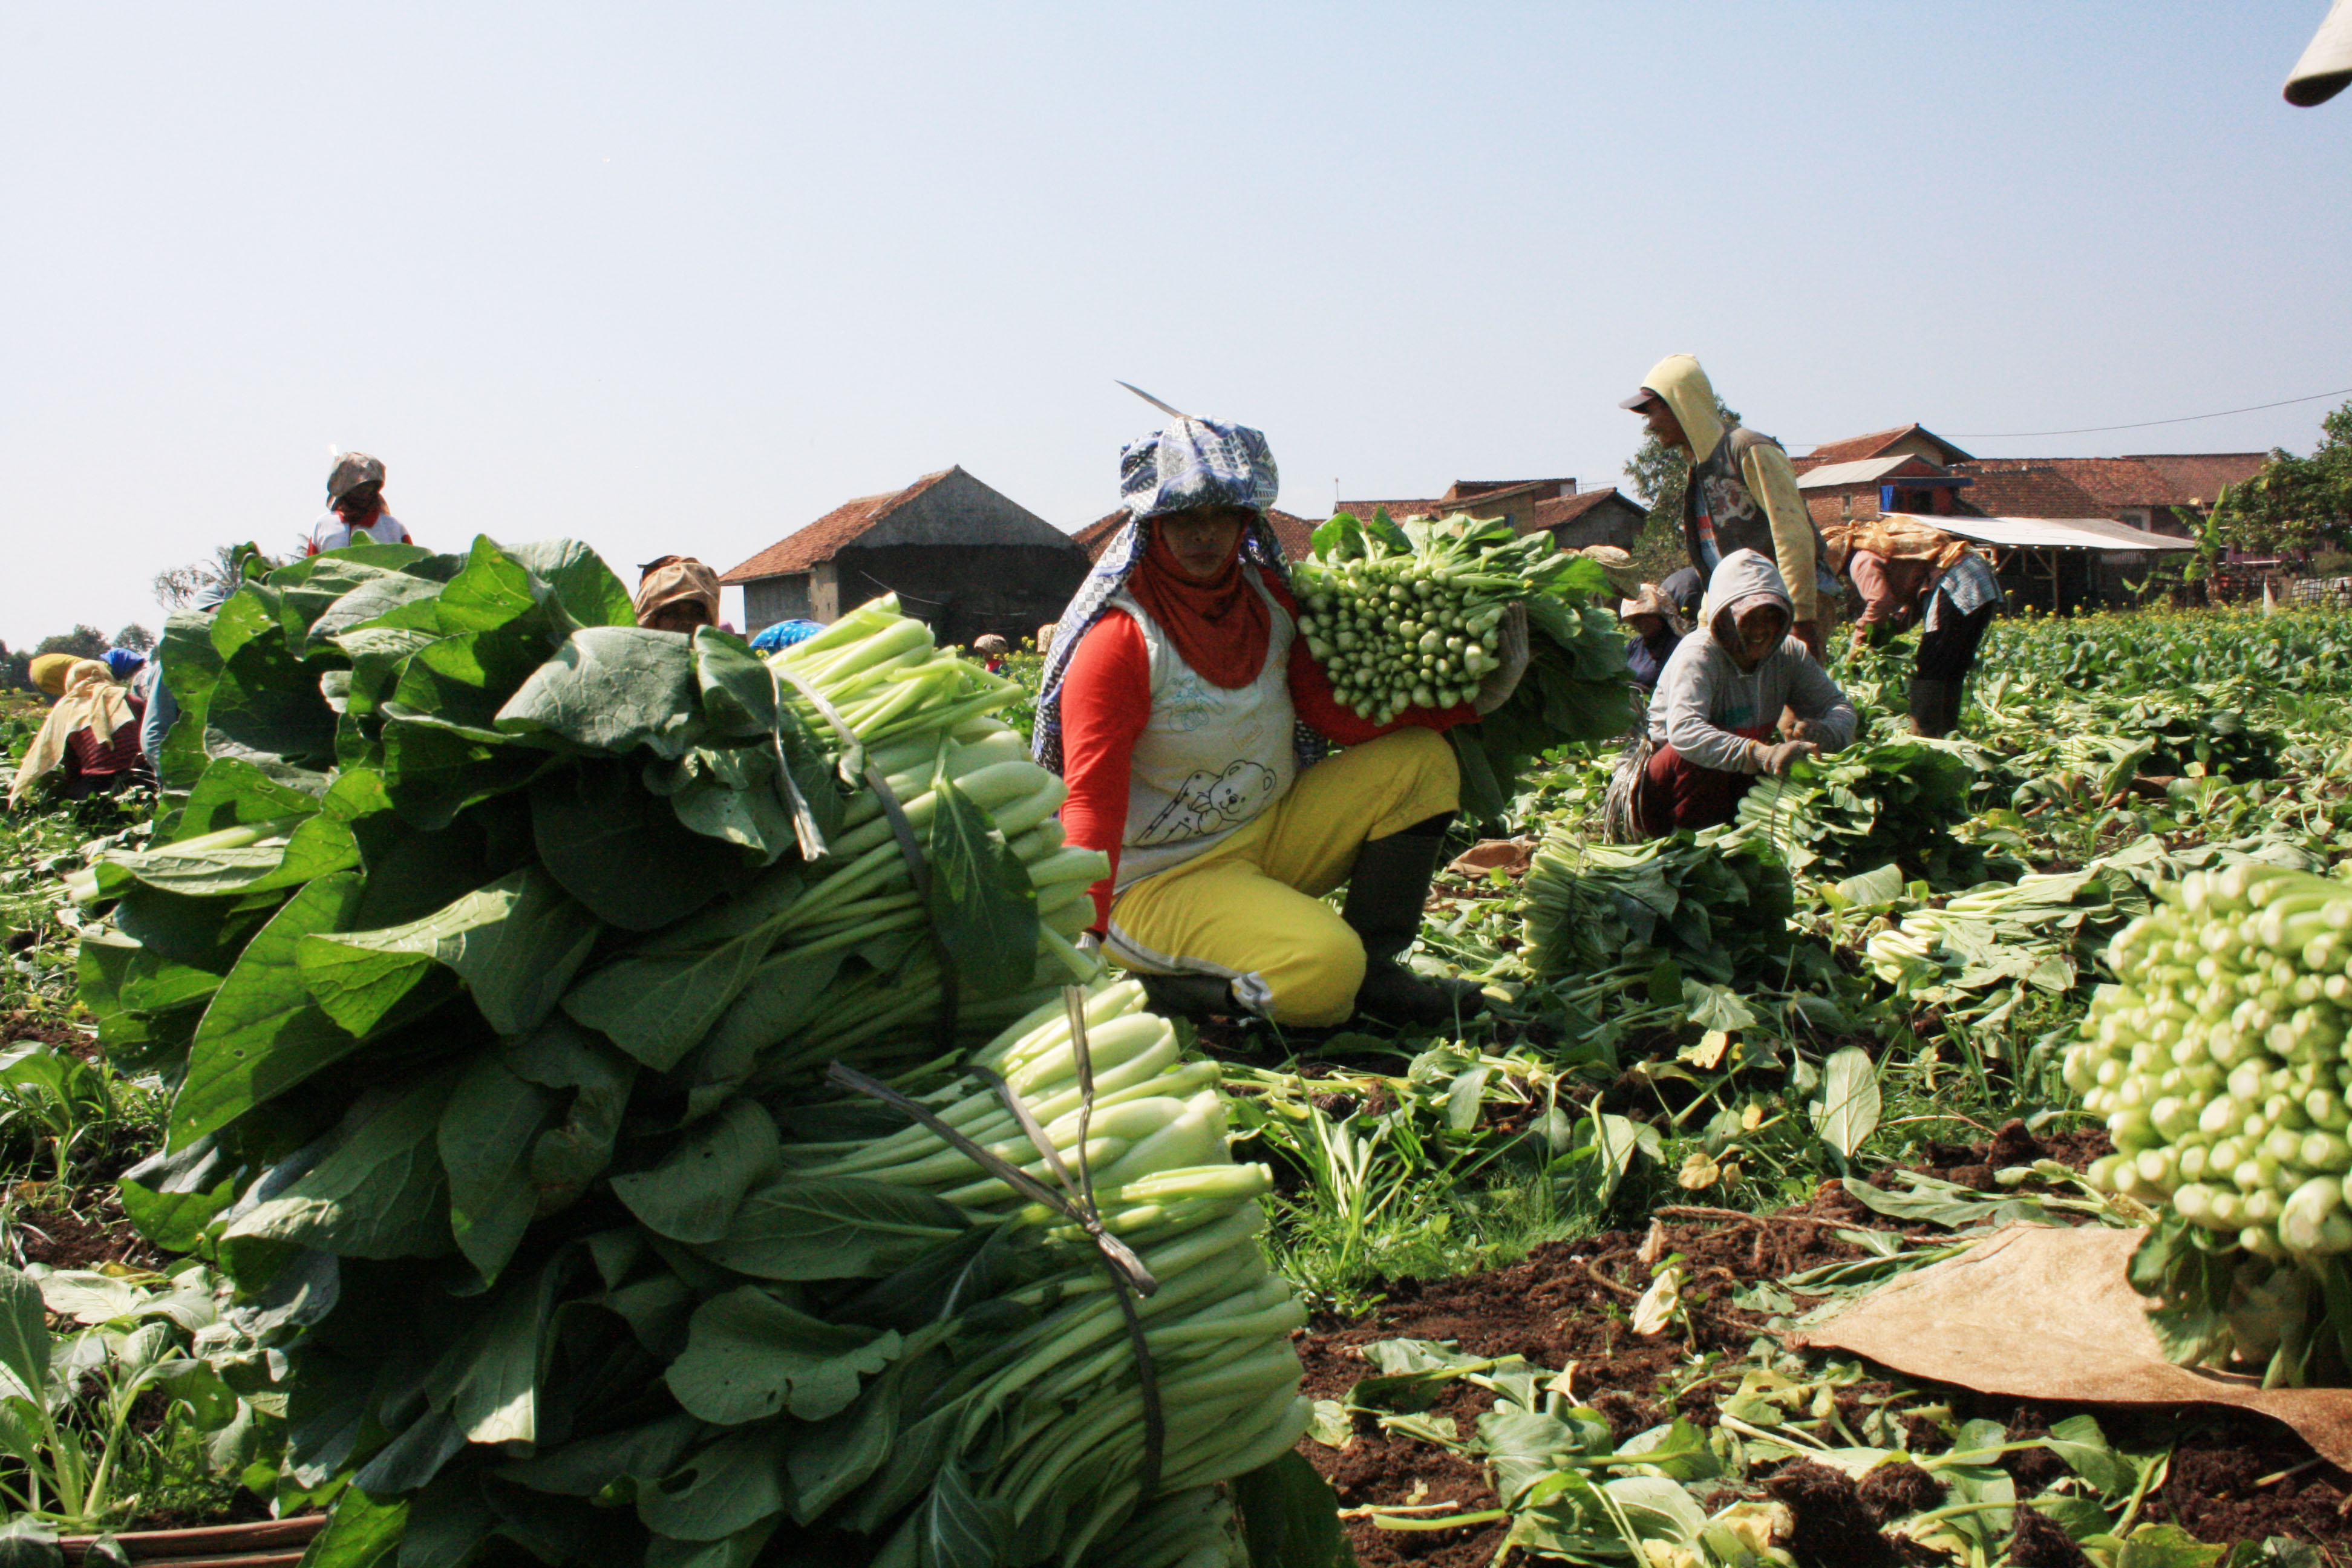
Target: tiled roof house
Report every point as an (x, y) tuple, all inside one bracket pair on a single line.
[(961, 557)]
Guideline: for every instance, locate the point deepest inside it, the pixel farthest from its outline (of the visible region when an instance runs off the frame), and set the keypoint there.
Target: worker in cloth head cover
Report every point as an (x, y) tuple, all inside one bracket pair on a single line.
[(1181, 706)]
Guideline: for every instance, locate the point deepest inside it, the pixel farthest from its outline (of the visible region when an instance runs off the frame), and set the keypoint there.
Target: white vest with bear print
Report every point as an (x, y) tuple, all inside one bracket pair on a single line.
[(1209, 760)]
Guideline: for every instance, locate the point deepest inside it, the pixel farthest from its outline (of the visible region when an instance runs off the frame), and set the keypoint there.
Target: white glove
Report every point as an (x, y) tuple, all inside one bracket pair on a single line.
[(1511, 662), (1811, 730), (1778, 760)]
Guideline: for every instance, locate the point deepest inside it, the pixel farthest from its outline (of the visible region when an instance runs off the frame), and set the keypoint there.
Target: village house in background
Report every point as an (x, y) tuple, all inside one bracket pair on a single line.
[(962, 557), (2066, 531), (1572, 517)]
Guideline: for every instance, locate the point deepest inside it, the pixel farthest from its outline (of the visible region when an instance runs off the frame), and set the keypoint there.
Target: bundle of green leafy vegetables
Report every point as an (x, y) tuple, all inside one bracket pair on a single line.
[(1370, 580), (1718, 906), (494, 954), (1895, 800)]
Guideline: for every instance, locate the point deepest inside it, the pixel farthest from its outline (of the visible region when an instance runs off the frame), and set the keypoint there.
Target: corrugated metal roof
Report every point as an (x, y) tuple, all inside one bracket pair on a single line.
[(1861, 473), (2053, 532)]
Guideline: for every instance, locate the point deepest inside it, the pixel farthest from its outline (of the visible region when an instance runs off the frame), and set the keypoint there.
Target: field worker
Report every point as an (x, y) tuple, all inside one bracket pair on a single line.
[(678, 593), (1741, 493), (1652, 623), (991, 651), (1938, 583), (1682, 590), (92, 733), (162, 709), (123, 663), (1184, 711), (355, 513), (1713, 713)]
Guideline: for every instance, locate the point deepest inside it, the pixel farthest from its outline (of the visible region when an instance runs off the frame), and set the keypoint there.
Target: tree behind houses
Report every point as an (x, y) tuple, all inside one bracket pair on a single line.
[(2295, 502)]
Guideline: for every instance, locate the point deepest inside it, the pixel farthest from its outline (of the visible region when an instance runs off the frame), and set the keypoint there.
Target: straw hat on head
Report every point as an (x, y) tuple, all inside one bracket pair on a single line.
[(677, 579), (1648, 601)]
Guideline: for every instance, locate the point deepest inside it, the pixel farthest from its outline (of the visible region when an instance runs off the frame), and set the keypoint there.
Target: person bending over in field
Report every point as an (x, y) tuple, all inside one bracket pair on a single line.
[(91, 738), (1908, 577), (1724, 686), (1192, 725)]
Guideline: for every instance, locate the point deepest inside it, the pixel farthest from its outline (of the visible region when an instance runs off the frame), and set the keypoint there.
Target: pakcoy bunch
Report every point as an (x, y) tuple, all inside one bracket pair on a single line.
[(493, 956), (1409, 616), (2219, 1060)]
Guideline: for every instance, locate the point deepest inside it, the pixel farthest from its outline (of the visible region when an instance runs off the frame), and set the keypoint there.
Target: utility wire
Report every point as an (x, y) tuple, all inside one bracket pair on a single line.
[(2145, 423)]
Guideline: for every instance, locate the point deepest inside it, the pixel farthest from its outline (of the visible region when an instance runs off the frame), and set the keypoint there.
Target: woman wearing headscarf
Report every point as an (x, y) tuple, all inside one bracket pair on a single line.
[(355, 512), (1192, 726), (92, 733), (1712, 718), (785, 634)]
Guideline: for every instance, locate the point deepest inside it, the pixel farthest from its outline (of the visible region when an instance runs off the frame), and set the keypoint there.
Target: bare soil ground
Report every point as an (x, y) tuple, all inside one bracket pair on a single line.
[(1568, 1305)]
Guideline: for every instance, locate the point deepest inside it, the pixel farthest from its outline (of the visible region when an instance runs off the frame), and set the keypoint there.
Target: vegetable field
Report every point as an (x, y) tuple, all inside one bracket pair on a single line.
[(465, 1104)]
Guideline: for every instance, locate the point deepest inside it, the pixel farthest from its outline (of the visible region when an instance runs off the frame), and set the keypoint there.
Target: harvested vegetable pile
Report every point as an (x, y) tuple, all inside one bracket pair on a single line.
[(1893, 800), (494, 957), (1721, 910), (1406, 616), (2220, 1064)]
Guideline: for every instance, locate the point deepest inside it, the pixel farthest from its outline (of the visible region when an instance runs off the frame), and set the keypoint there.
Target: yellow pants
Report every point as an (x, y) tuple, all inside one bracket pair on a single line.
[(1251, 908)]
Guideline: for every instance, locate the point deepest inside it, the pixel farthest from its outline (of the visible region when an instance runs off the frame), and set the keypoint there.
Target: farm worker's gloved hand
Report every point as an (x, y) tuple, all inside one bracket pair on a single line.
[(1811, 730), (1809, 633), (1778, 760), (1511, 651)]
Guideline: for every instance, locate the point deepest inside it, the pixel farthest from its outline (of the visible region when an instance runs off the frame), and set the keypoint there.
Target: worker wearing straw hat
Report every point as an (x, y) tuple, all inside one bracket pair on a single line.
[(676, 594), (1656, 632)]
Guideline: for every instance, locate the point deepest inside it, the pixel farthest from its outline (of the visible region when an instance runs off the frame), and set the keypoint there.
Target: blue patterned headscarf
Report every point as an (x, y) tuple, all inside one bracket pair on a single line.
[(784, 634), (1192, 463)]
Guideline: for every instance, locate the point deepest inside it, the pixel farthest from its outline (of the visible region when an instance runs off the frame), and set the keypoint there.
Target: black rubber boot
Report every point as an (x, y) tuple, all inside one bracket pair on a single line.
[(1194, 996), (1386, 893), (1956, 692), (1935, 706)]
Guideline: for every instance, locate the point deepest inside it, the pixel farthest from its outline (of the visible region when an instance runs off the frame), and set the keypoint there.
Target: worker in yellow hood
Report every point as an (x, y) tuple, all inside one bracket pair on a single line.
[(1742, 494)]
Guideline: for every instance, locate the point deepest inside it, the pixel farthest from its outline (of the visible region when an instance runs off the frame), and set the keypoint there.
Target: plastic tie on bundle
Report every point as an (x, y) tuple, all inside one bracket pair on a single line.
[(1129, 1277)]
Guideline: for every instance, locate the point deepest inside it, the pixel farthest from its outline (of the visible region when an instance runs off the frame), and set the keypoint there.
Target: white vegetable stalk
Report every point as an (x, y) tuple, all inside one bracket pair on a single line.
[(1051, 1418)]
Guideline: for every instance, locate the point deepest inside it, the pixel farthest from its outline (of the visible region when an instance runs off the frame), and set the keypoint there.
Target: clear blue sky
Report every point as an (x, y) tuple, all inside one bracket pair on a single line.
[(684, 278)]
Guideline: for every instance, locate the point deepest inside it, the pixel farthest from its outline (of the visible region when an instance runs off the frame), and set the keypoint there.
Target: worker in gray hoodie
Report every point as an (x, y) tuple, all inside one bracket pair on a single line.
[(1712, 717)]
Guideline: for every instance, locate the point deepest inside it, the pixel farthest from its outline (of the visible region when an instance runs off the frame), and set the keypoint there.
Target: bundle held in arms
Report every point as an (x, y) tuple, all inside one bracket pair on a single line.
[(1407, 616), (498, 957), (2219, 1061)]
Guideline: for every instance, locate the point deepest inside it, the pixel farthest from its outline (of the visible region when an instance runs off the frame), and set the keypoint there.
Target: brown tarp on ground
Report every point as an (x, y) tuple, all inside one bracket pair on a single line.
[(2039, 1313)]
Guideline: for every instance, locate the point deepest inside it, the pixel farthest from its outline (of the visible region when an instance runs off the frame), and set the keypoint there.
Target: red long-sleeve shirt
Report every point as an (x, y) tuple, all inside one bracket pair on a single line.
[(1106, 703)]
